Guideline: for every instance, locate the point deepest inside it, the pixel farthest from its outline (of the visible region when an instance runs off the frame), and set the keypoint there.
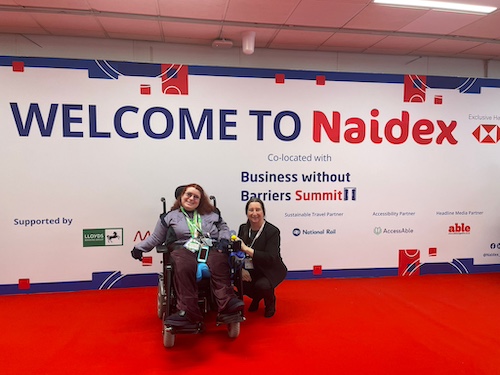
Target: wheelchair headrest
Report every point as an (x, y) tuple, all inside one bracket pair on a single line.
[(178, 191)]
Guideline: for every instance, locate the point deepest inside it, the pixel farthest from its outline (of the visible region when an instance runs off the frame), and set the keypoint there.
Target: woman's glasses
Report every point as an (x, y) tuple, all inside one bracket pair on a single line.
[(191, 195)]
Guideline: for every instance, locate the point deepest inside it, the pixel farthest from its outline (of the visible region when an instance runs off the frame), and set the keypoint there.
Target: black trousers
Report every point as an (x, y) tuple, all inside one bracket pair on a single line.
[(259, 288), (184, 264)]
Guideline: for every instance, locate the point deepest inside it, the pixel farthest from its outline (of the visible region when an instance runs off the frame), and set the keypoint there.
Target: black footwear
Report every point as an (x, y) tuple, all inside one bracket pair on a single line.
[(179, 319), (234, 305), (229, 318), (270, 308), (254, 306)]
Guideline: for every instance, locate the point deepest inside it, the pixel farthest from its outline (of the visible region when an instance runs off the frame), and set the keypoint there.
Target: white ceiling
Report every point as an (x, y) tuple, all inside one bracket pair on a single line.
[(356, 26)]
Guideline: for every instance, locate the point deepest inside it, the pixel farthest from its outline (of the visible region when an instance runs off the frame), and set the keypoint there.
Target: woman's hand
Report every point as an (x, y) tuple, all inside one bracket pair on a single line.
[(245, 275), (246, 249)]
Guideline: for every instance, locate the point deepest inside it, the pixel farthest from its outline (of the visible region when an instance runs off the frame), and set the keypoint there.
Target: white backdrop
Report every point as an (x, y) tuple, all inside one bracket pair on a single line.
[(55, 188)]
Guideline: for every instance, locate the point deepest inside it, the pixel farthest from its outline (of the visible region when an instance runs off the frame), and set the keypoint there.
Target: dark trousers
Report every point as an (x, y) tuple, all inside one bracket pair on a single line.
[(259, 288), (186, 288)]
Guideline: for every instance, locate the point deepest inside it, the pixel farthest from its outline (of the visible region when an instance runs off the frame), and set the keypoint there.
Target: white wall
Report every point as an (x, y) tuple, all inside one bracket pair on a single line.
[(99, 183)]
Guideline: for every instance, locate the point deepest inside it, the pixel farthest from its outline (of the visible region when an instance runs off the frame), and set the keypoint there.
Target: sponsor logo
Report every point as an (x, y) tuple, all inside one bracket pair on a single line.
[(141, 237), (380, 230), (103, 237), (459, 229), (487, 133), (313, 232)]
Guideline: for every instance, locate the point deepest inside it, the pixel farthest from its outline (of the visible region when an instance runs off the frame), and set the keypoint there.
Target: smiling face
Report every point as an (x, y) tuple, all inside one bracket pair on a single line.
[(190, 200), (255, 215)]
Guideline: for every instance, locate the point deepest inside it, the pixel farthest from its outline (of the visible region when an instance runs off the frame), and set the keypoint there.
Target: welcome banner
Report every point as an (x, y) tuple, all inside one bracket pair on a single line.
[(364, 174)]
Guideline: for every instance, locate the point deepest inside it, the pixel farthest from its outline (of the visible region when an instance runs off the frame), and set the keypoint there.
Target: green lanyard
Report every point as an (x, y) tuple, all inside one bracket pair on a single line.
[(194, 224)]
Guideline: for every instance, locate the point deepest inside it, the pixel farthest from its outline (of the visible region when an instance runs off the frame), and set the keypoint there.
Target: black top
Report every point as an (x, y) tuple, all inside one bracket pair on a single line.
[(267, 255)]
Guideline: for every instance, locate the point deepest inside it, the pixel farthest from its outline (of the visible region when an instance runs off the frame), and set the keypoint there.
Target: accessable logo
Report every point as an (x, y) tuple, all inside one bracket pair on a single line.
[(379, 230), (103, 237)]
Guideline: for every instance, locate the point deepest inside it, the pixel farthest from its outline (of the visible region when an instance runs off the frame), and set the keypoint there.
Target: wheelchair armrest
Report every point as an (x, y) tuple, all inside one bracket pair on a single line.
[(162, 249)]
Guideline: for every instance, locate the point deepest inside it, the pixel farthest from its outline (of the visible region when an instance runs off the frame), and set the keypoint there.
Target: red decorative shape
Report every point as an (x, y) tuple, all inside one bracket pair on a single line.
[(317, 270), (174, 79), (279, 78), (409, 262), (414, 88), (18, 66), (145, 89), (320, 80), (24, 284)]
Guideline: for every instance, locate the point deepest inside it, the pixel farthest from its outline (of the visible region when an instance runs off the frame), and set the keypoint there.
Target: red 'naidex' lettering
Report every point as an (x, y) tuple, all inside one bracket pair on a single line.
[(422, 130)]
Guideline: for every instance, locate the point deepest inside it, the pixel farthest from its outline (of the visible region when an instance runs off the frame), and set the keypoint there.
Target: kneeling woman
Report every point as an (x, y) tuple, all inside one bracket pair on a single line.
[(261, 242)]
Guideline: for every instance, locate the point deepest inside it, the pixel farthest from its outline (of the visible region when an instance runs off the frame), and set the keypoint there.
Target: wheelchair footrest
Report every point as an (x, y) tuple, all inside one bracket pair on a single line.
[(185, 328), (236, 317)]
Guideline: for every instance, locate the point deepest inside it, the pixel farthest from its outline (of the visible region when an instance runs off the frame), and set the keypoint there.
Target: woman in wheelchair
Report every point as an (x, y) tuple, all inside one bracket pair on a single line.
[(191, 227)]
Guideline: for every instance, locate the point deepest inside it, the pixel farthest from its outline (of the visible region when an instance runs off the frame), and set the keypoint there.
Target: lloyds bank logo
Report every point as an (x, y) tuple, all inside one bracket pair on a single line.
[(103, 237)]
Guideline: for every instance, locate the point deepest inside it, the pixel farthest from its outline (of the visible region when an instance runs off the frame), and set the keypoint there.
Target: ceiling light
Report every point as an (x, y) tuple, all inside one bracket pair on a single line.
[(248, 42), (429, 4)]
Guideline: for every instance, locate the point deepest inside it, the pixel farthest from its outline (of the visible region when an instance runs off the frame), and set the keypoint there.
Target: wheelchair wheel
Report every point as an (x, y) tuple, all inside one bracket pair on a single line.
[(160, 301), (233, 330), (168, 338)]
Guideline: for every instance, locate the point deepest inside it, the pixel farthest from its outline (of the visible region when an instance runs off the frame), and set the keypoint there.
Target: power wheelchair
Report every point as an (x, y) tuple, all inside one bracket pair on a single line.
[(167, 299)]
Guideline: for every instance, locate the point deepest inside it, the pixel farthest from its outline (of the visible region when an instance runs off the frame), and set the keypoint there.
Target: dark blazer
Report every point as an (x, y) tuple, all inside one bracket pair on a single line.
[(267, 256)]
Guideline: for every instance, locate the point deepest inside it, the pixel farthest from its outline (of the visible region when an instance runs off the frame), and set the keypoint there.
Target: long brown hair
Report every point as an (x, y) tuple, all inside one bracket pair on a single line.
[(204, 207)]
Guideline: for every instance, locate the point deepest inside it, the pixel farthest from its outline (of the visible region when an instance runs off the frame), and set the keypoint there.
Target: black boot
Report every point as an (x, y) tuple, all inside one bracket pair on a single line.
[(270, 302), (254, 306), (233, 306)]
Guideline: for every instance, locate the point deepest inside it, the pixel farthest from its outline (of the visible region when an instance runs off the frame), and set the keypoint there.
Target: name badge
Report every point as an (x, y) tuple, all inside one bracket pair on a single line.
[(207, 242), (248, 264), (193, 245)]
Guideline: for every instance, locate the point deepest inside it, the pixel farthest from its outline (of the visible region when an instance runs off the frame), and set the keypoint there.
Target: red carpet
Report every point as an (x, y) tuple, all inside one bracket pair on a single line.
[(421, 325)]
